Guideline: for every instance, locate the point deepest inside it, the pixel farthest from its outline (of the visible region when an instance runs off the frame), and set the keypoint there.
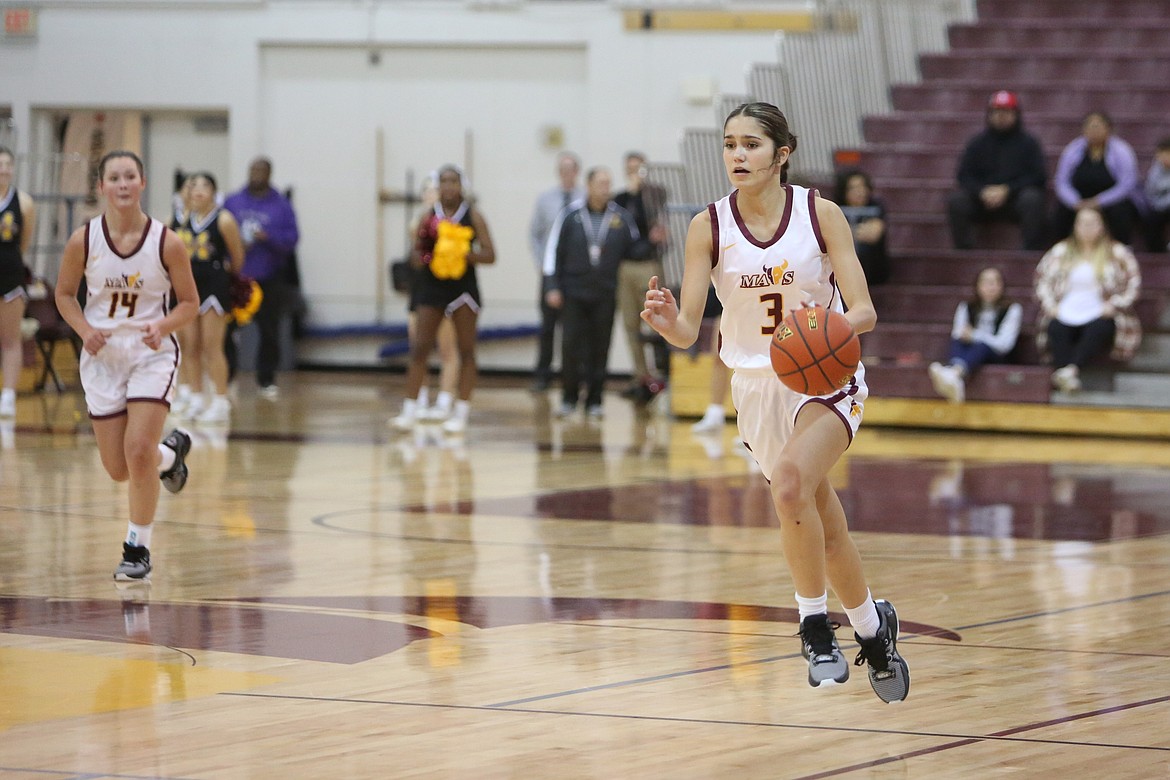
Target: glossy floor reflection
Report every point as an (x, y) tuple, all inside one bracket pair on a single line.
[(568, 598)]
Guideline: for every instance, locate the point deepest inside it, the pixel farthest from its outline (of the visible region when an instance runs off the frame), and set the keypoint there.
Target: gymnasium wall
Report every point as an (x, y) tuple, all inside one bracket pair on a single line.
[(313, 84)]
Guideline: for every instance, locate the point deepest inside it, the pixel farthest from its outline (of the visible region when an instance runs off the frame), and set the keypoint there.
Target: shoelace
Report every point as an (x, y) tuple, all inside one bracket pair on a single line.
[(875, 651), (819, 637)]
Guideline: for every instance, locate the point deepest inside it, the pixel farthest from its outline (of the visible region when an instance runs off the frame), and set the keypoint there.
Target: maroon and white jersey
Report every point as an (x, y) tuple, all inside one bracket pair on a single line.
[(124, 292), (760, 281)]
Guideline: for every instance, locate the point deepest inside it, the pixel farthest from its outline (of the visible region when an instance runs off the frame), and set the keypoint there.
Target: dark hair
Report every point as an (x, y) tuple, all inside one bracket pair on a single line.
[(1104, 116), (635, 156), (7, 151), (1164, 144), (1000, 304), (114, 155), (561, 156), (449, 168), (775, 127), (596, 169), (206, 176), (842, 183)]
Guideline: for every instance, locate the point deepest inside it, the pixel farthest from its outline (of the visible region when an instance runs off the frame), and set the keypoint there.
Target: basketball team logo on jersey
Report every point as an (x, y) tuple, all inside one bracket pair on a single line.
[(779, 275), (124, 282)]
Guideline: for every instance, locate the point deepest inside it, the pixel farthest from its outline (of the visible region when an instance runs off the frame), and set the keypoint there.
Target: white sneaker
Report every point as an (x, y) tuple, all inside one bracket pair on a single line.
[(1066, 379), (193, 408), (403, 422), (434, 414), (218, 411), (456, 424), (270, 393), (709, 424), (8, 404), (947, 382)]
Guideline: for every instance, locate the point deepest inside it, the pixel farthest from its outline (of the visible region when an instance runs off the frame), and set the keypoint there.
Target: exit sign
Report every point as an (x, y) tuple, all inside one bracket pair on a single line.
[(20, 22)]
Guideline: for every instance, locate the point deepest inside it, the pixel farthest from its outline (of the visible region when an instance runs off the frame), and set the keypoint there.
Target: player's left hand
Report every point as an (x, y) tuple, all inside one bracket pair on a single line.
[(152, 335)]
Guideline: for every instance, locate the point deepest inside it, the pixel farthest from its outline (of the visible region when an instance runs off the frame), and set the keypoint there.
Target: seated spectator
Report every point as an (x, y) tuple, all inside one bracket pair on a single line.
[(985, 330), (1087, 285), (1001, 176), (1157, 192), (867, 219), (1097, 170)]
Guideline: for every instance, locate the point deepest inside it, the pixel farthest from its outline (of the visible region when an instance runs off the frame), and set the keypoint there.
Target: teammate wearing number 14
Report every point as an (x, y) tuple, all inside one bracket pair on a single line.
[(129, 365), (770, 247)]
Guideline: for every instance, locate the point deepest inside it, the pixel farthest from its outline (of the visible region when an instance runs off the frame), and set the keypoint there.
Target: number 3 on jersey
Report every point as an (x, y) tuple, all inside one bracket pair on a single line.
[(775, 304), (126, 300)]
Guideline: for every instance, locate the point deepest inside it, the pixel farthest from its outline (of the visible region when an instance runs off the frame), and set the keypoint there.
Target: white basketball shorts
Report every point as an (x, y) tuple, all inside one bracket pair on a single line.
[(766, 411)]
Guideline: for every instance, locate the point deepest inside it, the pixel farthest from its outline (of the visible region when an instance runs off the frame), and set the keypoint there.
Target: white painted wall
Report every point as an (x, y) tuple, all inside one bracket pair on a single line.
[(297, 83)]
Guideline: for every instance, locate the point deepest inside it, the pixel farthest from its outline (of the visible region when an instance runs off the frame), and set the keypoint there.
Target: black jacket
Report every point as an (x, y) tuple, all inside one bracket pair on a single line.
[(1013, 158), (568, 265)]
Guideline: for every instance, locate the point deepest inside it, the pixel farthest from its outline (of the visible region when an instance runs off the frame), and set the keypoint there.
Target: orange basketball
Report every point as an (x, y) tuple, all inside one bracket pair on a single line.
[(815, 351)]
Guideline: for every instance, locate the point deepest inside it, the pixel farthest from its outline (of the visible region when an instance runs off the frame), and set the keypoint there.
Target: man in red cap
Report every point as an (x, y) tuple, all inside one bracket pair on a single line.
[(1001, 176)]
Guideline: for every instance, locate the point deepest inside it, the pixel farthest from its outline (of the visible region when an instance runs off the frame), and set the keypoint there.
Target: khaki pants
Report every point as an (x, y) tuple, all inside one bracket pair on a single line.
[(633, 279)]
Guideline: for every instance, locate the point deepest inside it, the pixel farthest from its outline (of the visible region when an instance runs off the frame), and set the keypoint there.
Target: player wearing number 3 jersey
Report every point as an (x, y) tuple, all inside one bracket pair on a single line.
[(129, 365), (770, 247)]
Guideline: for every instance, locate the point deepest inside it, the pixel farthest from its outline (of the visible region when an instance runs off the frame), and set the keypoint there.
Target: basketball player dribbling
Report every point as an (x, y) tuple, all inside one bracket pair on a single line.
[(129, 365), (770, 247)]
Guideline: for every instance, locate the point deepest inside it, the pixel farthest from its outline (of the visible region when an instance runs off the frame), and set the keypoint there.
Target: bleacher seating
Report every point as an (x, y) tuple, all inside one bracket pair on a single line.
[(1063, 61)]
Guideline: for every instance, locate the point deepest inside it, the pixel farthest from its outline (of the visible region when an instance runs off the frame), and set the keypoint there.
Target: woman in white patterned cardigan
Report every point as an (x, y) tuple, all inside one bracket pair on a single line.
[(1087, 285)]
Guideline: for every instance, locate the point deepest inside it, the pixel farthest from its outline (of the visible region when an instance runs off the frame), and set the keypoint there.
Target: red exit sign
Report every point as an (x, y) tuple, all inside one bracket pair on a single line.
[(20, 22)]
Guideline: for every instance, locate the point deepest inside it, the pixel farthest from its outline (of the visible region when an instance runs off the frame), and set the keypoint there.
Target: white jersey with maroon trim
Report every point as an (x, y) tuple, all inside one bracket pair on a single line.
[(125, 292), (759, 282)]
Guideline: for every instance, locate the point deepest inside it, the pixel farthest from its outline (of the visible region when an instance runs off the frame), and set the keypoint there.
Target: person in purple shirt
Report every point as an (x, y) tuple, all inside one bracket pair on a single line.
[(268, 227), (1098, 170)]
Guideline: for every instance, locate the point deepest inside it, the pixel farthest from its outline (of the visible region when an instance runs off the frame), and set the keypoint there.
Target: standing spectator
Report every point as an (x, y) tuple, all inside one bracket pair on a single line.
[(1158, 198), (549, 205), (131, 265), (585, 249), (646, 203), (1098, 170), (450, 242), (1087, 285), (17, 227), (985, 330), (1001, 176), (867, 219), (212, 238), (268, 227)]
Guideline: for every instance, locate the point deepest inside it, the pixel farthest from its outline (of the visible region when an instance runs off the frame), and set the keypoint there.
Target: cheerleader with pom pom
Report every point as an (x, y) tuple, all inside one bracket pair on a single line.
[(449, 244)]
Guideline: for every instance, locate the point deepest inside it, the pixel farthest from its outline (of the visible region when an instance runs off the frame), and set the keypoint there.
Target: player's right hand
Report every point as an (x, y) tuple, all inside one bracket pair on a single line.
[(660, 309), (95, 340)]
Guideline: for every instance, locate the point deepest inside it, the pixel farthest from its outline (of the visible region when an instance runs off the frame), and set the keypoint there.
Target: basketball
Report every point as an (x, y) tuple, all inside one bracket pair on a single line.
[(815, 351)]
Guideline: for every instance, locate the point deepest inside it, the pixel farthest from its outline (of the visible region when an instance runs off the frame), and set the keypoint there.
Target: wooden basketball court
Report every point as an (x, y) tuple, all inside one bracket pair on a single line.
[(549, 598)]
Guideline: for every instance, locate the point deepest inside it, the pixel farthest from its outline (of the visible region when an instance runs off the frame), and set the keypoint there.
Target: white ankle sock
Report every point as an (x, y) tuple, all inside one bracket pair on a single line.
[(166, 457), (409, 405), (714, 412), (424, 396), (864, 618), (817, 605), (462, 409), (138, 535), (444, 401)]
